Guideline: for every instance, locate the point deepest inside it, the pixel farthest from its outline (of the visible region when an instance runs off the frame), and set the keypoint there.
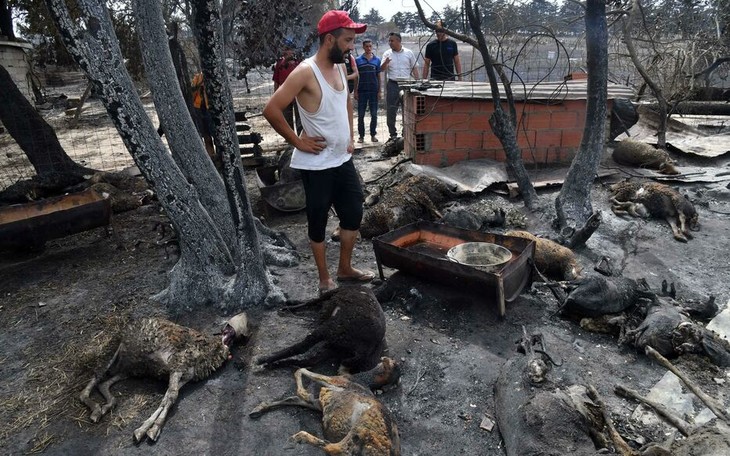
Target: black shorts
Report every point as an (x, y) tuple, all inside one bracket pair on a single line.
[(339, 187)]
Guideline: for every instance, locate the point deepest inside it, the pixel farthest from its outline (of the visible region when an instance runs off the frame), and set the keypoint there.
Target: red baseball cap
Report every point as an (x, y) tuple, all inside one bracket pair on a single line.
[(334, 19)]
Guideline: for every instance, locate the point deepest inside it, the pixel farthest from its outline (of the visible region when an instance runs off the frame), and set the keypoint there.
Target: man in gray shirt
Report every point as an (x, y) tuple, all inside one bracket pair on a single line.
[(399, 64)]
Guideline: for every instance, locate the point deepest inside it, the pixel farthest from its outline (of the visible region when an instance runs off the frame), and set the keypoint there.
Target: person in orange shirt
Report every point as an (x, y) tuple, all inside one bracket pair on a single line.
[(203, 120)]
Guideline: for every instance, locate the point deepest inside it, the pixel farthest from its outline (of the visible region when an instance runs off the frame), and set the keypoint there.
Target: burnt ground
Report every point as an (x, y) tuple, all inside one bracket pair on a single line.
[(60, 309)]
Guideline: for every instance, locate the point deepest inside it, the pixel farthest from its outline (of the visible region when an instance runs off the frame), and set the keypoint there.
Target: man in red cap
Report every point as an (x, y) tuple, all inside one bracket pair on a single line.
[(323, 150)]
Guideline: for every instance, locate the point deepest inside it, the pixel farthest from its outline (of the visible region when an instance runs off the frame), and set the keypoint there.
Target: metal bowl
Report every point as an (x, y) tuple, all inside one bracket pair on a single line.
[(484, 256)]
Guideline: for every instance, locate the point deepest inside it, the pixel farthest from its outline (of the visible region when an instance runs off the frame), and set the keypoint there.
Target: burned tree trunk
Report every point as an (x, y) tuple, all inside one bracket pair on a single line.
[(573, 204), (221, 260), (656, 90), (32, 133)]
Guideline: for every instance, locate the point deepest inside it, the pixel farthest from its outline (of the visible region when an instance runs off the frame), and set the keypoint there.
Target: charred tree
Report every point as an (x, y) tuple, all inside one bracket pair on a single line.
[(33, 134), (503, 125), (628, 22), (221, 260), (573, 204)]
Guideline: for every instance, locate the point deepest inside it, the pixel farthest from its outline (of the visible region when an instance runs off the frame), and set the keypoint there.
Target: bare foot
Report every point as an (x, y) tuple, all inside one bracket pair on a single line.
[(355, 275)]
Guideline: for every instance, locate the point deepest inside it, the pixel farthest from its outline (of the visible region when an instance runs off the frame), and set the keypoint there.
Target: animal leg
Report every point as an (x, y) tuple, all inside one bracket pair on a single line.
[(296, 349), (86, 392), (306, 437), (110, 401), (303, 392), (675, 230), (291, 400), (153, 425), (683, 225)]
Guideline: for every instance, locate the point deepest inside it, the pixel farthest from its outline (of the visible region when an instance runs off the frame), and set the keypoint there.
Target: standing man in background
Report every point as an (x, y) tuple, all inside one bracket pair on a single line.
[(399, 64), (282, 69), (442, 55), (368, 90)]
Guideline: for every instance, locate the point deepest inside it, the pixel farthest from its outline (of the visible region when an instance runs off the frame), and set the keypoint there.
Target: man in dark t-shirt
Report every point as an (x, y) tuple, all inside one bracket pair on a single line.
[(442, 57)]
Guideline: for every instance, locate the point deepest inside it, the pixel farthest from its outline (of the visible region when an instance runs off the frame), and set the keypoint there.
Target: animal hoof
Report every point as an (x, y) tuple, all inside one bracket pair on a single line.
[(257, 412), (139, 435), (680, 238), (153, 433), (300, 437)]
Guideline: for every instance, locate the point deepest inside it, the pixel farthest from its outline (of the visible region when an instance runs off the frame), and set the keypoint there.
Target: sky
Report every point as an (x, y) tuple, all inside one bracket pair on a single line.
[(388, 8)]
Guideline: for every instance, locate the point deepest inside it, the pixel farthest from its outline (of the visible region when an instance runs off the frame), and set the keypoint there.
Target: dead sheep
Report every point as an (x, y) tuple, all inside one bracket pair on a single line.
[(538, 415), (552, 259), (160, 349), (415, 198), (655, 200), (350, 330), (355, 423), (636, 153)]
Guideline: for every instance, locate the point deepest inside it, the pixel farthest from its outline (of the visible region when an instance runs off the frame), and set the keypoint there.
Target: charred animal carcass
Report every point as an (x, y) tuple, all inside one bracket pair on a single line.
[(351, 330), (415, 198), (537, 416), (636, 153), (655, 200), (598, 295), (552, 259), (161, 349), (354, 422)]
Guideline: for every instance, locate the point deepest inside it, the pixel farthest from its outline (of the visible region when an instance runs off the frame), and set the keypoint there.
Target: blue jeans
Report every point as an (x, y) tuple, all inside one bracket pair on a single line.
[(365, 99)]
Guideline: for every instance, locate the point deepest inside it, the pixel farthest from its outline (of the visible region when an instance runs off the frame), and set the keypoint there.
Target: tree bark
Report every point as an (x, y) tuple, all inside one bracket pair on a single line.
[(6, 20), (573, 204), (656, 90), (33, 134), (214, 267)]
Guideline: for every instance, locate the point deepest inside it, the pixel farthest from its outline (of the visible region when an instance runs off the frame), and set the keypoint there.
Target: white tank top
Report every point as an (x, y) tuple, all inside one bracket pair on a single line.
[(330, 121)]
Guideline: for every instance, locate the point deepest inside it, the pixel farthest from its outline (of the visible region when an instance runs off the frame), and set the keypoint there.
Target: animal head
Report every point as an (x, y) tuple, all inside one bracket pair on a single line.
[(668, 167), (693, 218), (386, 373), (235, 329)]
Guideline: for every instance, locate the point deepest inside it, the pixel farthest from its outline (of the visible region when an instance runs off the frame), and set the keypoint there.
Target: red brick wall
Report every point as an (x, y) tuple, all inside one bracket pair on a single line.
[(452, 130)]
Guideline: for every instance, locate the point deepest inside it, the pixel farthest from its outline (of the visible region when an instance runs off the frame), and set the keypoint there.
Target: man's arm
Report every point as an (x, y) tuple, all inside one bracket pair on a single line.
[(350, 116), (283, 97), (457, 66), (426, 65)]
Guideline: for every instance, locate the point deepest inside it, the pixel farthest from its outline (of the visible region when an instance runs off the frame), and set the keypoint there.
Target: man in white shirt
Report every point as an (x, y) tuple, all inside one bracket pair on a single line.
[(323, 151), (399, 64)]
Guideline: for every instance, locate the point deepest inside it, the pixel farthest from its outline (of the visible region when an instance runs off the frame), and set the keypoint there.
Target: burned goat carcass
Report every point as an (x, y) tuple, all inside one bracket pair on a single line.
[(655, 200), (351, 330), (552, 259), (161, 349), (354, 422), (415, 198), (636, 153), (537, 416), (671, 332)]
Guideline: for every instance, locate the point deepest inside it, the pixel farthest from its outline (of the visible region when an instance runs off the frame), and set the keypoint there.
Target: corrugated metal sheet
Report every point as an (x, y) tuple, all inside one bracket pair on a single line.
[(546, 92)]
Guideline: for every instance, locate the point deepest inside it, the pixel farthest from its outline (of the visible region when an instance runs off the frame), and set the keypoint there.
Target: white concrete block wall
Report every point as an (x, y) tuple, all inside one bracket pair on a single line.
[(14, 57)]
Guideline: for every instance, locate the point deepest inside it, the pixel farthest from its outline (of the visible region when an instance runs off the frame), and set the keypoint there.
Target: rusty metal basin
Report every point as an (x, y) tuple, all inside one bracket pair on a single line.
[(283, 196), (421, 249)]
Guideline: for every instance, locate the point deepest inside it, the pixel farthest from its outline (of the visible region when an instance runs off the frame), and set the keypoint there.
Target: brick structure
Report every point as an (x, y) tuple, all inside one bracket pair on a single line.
[(443, 126), (14, 57)]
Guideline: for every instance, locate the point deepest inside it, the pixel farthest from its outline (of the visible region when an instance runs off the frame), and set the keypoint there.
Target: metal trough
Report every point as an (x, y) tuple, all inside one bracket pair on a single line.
[(32, 224), (421, 248)]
